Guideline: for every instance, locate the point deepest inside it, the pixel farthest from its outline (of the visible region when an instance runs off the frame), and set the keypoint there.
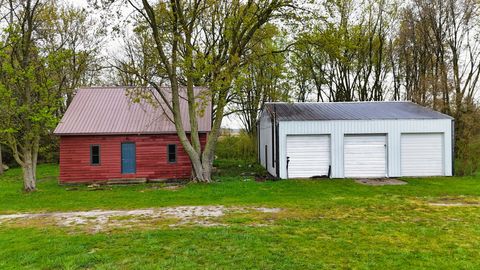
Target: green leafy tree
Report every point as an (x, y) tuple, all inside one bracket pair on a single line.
[(342, 56), (33, 57), (262, 79)]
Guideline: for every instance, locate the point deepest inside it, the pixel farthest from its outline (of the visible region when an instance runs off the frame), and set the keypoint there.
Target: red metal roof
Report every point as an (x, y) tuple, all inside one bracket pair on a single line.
[(110, 110)]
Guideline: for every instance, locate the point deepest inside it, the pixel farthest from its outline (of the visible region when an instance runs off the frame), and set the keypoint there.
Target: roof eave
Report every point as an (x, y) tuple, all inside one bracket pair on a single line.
[(120, 133), (370, 119)]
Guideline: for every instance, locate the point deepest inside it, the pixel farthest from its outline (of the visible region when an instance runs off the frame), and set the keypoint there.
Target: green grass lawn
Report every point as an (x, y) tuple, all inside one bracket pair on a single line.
[(323, 224)]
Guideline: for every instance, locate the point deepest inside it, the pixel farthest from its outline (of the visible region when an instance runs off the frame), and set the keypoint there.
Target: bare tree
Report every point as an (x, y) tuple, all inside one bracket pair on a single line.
[(201, 43), (439, 63)]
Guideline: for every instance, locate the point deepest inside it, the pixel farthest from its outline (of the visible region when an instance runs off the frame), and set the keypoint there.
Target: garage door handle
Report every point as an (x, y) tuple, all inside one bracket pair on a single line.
[(288, 161)]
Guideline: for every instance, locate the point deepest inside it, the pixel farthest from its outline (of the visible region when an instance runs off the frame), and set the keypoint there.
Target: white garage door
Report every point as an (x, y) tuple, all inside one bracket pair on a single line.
[(422, 154), (309, 155), (365, 156)]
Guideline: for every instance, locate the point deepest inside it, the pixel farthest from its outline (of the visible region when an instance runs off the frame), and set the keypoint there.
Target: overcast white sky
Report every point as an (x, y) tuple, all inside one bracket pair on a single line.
[(78, 3), (114, 46)]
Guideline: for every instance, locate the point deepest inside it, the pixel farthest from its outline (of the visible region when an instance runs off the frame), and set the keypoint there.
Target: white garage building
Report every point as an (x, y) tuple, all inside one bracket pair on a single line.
[(354, 139)]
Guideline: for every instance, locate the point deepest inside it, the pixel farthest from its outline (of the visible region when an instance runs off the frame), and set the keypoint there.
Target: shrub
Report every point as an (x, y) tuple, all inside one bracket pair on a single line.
[(240, 147), (236, 167), (468, 158)]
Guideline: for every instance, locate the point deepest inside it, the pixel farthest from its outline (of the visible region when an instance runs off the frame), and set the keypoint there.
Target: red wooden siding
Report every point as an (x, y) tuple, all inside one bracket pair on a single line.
[(151, 158)]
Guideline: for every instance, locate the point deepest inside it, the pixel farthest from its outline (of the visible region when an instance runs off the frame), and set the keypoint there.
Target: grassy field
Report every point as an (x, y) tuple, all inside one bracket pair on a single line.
[(322, 224)]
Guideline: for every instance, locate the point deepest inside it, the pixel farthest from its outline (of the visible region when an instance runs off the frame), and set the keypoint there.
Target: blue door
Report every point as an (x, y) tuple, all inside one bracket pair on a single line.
[(129, 162)]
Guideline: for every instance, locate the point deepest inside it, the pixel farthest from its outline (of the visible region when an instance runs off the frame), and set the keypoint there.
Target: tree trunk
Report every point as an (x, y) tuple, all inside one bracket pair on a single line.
[(197, 169), (207, 170), (29, 170), (29, 177), (202, 164), (27, 159), (204, 173)]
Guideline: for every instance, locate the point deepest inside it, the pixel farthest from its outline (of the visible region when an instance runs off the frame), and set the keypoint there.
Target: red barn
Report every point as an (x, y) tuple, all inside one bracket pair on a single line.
[(104, 136)]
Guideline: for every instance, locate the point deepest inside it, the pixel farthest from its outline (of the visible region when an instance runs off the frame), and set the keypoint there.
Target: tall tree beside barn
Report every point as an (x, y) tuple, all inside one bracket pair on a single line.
[(33, 57), (201, 43), (21, 95)]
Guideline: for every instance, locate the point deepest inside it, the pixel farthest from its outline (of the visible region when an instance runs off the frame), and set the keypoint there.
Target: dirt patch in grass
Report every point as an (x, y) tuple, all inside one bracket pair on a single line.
[(454, 204), (380, 182), (173, 187), (456, 201), (164, 186), (101, 220)]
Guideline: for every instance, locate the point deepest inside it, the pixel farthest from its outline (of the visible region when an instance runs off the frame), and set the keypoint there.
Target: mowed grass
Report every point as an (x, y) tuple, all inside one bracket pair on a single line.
[(323, 224)]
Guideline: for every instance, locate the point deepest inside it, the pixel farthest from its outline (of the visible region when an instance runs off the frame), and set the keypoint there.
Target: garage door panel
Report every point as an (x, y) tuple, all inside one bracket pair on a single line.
[(309, 155), (364, 156), (422, 154)]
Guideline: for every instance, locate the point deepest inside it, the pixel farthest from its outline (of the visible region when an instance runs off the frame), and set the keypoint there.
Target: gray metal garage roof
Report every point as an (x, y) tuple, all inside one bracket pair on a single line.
[(380, 110)]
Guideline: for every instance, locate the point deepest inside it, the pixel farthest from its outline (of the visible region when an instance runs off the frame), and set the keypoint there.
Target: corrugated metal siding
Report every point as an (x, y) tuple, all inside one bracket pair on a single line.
[(266, 139), (104, 111), (393, 129), (151, 158)]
